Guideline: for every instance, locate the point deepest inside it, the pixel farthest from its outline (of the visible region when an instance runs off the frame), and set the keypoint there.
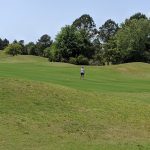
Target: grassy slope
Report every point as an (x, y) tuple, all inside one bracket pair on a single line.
[(46, 106), (121, 78)]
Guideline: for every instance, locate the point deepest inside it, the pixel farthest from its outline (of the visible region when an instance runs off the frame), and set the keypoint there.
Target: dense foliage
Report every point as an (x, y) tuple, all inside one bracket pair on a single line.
[(3, 43), (83, 43)]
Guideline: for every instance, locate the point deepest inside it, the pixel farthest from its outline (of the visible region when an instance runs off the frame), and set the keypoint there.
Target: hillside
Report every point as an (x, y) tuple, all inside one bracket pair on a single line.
[(46, 106)]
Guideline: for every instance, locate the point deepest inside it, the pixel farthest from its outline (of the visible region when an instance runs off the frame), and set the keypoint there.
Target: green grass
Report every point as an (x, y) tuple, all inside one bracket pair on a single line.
[(45, 106)]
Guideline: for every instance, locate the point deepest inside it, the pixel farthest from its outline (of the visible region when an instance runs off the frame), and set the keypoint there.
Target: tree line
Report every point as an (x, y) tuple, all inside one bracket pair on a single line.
[(83, 43)]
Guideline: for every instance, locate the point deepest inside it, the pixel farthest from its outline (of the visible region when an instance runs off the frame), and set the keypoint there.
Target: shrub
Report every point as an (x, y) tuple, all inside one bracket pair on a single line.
[(64, 60), (13, 49), (46, 52), (72, 60), (54, 54), (81, 60)]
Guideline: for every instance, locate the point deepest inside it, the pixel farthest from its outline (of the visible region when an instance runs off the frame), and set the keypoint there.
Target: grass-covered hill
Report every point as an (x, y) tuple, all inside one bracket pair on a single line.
[(45, 106)]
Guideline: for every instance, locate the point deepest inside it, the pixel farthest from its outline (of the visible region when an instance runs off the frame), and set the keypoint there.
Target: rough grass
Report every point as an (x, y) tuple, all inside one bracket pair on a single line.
[(46, 106)]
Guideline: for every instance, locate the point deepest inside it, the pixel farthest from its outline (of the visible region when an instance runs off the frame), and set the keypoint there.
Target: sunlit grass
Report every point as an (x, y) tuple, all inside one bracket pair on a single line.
[(46, 106)]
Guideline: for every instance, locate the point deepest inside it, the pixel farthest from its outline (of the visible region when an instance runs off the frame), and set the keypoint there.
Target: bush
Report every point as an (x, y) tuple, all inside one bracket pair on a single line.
[(72, 60), (46, 52), (96, 63), (64, 60), (81, 60), (51, 57), (54, 54), (13, 49)]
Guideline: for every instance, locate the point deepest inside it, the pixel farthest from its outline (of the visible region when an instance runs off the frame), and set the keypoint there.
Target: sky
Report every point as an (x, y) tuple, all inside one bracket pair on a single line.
[(29, 19)]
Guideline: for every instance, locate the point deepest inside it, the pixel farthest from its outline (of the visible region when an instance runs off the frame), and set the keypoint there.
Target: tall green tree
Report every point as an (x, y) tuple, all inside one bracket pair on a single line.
[(72, 42), (54, 53), (133, 40), (108, 30), (87, 28), (111, 53), (23, 50), (3, 43), (68, 41), (31, 48), (138, 16), (44, 42), (86, 24)]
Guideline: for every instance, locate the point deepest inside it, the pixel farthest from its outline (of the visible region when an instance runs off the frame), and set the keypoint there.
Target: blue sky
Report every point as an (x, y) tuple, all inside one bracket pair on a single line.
[(29, 19)]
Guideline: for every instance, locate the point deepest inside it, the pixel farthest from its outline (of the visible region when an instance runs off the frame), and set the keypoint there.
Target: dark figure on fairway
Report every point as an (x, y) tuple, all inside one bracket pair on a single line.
[(82, 72)]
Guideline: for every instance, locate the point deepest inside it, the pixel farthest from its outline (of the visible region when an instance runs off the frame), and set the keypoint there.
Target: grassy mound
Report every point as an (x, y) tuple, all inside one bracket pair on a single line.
[(46, 106)]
